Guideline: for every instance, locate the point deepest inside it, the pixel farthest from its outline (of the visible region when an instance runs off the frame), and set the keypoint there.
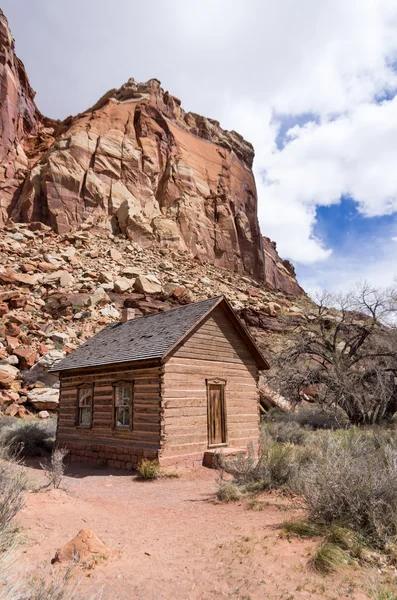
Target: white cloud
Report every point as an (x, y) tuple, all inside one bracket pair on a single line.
[(354, 155)]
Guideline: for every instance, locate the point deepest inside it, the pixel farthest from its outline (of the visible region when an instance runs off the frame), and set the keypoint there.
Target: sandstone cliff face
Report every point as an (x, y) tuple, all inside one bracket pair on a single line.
[(135, 163), (24, 132)]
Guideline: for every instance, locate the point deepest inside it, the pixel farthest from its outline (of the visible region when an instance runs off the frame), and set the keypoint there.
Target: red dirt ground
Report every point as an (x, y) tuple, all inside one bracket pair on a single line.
[(171, 541)]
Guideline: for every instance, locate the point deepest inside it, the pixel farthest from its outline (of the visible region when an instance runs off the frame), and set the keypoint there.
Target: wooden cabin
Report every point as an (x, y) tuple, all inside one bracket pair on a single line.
[(170, 386)]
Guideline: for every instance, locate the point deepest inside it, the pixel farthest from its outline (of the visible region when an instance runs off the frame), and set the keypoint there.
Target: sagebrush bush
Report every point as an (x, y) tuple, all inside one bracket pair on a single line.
[(314, 416), (12, 485), (54, 468), (286, 432), (271, 470), (352, 481), (148, 469), (28, 438), (228, 491)]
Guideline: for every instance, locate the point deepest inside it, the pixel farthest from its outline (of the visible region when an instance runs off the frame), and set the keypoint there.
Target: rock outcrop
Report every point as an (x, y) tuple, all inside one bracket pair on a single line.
[(24, 132), (137, 164)]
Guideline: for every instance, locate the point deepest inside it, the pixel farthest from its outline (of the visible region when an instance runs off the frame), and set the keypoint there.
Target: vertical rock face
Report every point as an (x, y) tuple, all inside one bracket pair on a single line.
[(22, 127), (135, 163)]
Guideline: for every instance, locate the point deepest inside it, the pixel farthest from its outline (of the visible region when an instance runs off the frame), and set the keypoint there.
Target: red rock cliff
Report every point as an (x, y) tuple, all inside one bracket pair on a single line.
[(135, 162)]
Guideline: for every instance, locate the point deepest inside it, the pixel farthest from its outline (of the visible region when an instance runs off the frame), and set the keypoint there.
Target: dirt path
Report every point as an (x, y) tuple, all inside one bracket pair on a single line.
[(170, 541)]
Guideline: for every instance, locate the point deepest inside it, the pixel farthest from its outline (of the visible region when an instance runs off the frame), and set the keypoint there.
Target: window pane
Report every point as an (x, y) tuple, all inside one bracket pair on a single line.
[(123, 396), (85, 397), (85, 415), (122, 417)]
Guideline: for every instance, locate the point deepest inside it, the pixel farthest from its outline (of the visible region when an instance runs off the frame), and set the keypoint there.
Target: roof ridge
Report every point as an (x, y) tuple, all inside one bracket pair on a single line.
[(163, 312)]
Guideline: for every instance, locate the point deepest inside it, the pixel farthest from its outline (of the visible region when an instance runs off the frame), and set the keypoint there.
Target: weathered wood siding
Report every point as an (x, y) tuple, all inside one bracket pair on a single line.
[(214, 350), (120, 448)]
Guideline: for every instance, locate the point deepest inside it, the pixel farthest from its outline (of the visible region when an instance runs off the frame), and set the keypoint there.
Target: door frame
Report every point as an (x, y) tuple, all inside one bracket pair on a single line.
[(222, 383)]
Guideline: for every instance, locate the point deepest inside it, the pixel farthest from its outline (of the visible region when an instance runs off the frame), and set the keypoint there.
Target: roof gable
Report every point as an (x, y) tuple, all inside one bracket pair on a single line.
[(149, 338)]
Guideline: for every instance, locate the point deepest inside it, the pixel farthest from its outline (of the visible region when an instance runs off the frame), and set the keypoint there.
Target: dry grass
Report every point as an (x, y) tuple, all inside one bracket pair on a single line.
[(328, 558), (228, 491), (148, 469)]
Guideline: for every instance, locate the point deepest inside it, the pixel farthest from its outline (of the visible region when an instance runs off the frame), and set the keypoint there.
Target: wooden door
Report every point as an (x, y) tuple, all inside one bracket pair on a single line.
[(216, 414)]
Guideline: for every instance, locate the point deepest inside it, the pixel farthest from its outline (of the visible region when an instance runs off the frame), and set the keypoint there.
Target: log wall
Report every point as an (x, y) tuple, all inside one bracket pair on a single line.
[(215, 350), (102, 443)]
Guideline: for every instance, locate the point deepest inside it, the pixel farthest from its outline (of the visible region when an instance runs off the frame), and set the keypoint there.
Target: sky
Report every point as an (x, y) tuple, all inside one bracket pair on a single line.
[(313, 85)]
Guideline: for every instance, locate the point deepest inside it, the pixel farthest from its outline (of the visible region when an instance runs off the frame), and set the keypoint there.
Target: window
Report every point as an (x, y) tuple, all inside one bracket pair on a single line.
[(123, 406), (84, 416)]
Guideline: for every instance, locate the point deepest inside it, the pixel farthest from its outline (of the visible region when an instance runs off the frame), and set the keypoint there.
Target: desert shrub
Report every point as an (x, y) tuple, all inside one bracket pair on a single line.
[(352, 481), (285, 432), (314, 416), (6, 421), (28, 438), (12, 484), (148, 469), (228, 491), (54, 468), (271, 470)]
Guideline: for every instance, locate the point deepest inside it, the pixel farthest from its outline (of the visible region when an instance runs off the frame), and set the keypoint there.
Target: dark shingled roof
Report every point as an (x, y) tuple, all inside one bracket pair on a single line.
[(143, 338)]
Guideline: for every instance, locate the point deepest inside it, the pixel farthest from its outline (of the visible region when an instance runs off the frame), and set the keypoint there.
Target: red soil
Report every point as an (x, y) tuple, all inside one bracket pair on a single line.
[(171, 541)]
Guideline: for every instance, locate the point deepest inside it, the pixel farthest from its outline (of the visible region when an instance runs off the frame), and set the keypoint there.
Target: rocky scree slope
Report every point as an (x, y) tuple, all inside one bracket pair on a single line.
[(57, 290), (135, 163)]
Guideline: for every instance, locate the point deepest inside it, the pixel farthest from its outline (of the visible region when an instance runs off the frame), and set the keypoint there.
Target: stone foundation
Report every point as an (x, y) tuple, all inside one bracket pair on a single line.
[(111, 456)]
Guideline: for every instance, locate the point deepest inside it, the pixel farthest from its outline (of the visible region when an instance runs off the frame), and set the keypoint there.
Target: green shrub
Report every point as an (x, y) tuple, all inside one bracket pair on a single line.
[(28, 438), (148, 469)]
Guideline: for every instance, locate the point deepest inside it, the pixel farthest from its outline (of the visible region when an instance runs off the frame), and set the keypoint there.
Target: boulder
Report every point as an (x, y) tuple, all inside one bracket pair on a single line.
[(8, 275), (61, 277), (98, 297), (84, 546), (44, 398), (8, 374), (110, 311), (39, 372), (148, 284), (27, 356), (122, 284)]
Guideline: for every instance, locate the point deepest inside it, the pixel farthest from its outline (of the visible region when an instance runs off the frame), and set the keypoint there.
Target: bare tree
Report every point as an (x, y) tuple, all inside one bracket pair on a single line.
[(344, 354)]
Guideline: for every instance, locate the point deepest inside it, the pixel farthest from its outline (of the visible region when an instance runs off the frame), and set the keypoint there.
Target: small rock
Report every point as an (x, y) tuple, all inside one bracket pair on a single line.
[(60, 336), (43, 414), (116, 255)]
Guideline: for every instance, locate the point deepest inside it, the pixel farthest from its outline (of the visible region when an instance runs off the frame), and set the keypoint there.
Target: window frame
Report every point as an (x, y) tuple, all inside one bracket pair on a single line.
[(123, 384), (85, 386)]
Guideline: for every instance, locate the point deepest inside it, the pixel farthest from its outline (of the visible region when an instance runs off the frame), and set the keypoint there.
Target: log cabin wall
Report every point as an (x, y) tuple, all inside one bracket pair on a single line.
[(215, 350), (101, 442)]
